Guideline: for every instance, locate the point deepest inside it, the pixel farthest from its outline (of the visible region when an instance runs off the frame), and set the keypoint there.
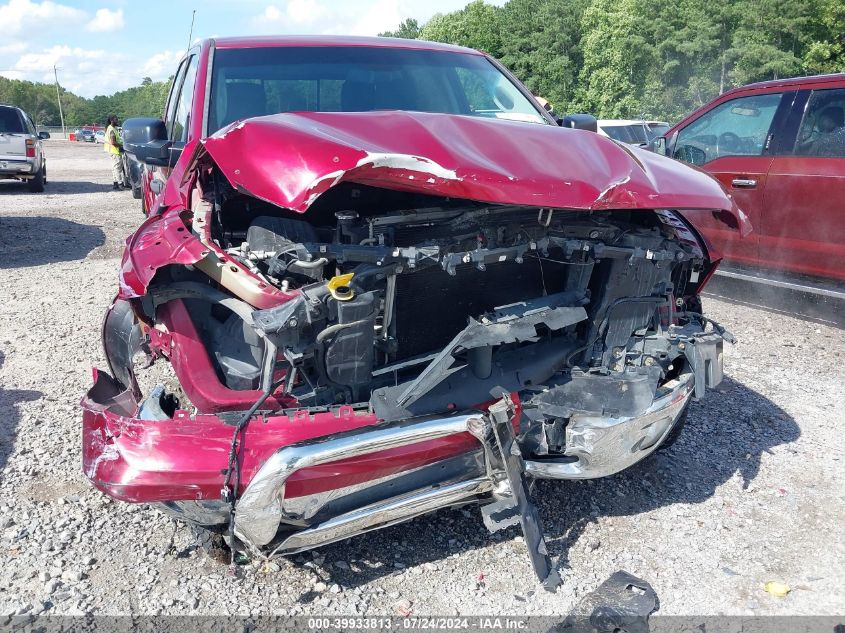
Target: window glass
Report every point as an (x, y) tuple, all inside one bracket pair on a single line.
[(634, 133), (10, 122), (256, 82), (653, 130), (738, 127), (822, 131), (182, 116), (170, 112)]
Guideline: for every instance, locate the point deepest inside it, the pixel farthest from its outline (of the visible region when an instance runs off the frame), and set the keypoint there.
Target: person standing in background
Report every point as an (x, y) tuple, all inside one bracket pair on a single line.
[(113, 146)]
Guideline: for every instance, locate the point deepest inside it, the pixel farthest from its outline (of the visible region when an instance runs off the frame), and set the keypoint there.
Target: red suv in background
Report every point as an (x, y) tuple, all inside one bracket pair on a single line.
[(778, 148)]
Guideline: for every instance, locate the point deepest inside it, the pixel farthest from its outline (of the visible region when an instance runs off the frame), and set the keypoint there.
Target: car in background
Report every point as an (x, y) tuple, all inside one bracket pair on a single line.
[(633, 132), (86, 136), (778, 147), (100, 136), (21, 152)]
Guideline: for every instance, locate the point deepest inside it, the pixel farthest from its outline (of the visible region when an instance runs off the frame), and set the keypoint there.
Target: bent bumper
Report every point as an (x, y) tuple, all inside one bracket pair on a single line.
[(599, 446)]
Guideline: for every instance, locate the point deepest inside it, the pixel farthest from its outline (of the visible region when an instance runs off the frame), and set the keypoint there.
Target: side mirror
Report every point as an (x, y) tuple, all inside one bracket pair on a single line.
[(580, 122), (43, 135), (658, 145), (147, 140)]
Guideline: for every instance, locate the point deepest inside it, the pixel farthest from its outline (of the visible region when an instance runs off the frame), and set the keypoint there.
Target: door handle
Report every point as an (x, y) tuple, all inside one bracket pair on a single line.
[(744, 183)]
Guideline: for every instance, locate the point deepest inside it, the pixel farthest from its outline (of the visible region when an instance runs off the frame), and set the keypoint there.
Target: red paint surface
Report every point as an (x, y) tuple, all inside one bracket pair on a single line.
[(290, 159), (184, 458), (796, 207)]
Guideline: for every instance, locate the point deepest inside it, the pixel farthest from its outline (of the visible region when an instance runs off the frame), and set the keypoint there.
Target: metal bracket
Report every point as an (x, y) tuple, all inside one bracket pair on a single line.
[(501, 414), (500, 514)]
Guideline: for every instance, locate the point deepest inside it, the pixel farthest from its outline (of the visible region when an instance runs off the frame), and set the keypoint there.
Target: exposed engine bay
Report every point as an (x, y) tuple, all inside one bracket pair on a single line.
[(411, 304)]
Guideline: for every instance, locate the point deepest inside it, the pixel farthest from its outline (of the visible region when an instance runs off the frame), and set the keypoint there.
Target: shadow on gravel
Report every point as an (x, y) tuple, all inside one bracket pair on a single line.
[(9, 416), (32, 241), (724, 435), (63, 187)]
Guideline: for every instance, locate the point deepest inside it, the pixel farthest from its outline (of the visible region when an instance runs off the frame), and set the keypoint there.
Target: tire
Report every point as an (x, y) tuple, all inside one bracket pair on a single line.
[(36, 183), (44, 173)]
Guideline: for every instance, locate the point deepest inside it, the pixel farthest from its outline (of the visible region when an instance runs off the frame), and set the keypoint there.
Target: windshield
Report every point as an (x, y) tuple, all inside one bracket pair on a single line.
[(10, 122), (634, 133), (258, 81), (656, 129)]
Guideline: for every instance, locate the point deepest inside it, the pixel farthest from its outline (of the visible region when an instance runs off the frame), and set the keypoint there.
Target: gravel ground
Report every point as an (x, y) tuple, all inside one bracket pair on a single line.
[(754, 490)]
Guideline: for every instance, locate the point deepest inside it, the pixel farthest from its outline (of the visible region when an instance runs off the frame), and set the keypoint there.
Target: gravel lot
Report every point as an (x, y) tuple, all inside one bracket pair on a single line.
[(753, 491)]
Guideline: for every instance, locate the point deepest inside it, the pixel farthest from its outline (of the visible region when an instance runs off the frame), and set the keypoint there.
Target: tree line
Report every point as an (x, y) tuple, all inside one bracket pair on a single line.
[(40, 102), (656, 59)]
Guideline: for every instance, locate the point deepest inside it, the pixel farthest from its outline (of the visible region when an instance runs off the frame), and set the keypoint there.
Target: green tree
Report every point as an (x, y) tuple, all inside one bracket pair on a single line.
[(541, 46), (617, 58), (478, 25), (825, 49), (408, 29), (768, 42)]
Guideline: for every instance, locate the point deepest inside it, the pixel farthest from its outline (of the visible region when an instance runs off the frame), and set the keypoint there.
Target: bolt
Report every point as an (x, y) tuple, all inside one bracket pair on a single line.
[(594, 234), (649, 361), (292, 323)]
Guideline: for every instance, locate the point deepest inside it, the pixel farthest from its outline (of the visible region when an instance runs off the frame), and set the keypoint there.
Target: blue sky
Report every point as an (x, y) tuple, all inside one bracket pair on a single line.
[(102, 46)]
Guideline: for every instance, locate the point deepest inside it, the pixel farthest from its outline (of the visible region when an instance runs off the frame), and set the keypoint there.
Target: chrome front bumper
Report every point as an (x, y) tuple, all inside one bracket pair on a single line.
[(599, 446)]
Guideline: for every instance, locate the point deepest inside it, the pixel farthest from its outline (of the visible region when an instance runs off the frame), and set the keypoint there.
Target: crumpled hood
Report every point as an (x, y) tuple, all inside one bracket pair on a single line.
[(290, 159)]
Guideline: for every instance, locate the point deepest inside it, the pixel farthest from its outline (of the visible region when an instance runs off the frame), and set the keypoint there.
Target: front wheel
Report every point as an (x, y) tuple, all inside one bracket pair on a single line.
[(36, 183)]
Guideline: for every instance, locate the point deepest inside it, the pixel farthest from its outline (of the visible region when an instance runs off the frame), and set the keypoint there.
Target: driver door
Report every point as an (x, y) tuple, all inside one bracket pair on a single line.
[(733, 141)]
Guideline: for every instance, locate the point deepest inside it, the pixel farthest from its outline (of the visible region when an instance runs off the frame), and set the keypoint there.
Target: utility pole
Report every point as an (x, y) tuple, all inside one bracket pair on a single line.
[(59, 99)]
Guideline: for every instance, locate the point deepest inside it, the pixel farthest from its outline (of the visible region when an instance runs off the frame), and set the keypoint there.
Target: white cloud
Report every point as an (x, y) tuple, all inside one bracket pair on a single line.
[(106, 21), (296, 13), (161, 65), (380, 16), (365, 17), (305, 11), (271, 14), (19, 16), (15, 48), (86, 72), (46, 59)]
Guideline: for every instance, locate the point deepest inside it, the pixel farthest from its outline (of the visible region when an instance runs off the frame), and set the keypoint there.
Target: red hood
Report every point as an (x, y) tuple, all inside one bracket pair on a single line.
[(290, 159)]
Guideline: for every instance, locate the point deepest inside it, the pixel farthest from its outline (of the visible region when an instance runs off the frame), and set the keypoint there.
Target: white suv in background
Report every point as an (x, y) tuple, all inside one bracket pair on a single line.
[(21, 153), (632, 131)]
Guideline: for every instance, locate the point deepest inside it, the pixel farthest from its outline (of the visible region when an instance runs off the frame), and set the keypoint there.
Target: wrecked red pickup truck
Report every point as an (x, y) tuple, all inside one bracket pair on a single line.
[(387, 282)]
